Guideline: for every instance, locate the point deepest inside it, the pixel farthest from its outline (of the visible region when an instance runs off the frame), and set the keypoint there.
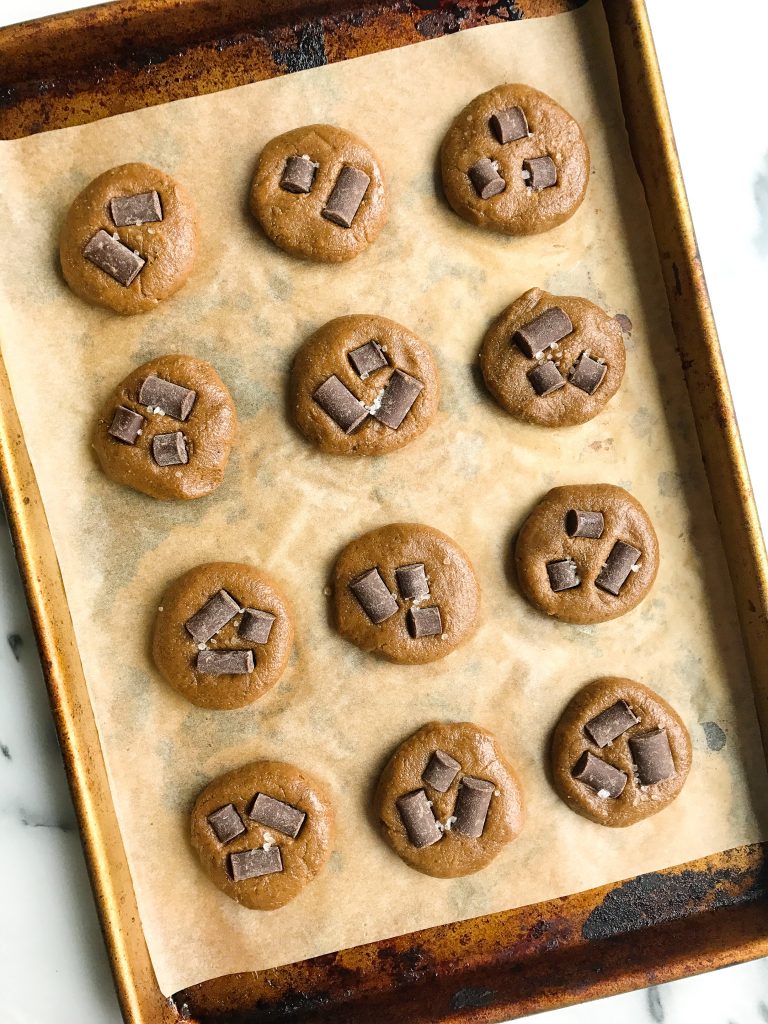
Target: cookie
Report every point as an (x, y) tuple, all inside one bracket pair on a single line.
[(363, 385), (319, 193), (406, 592), (129, 240), (448, 801), (553, 360), (167, 429), (222, 636), (514, 161), (263, 832), (620, 753)]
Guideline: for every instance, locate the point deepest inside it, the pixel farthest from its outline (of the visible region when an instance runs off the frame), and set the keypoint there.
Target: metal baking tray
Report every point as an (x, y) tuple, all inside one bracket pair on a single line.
[(79, 67)]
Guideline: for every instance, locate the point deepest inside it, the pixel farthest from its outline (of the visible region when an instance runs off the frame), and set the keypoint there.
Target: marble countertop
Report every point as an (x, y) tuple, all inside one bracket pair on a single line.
[(716, 76)]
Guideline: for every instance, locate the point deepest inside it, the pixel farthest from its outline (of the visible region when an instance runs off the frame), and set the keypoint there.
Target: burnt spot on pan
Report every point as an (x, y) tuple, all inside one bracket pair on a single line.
[(305, 50)]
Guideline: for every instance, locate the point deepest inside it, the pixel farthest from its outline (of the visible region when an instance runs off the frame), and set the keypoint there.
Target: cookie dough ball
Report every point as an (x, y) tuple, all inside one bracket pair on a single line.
[(406, 592), (448, 801), (620, 753), (167, 429), (222, 635), (130, 239), (553, 360), (318, 192), (514, 161), (263, 832), (364, 385), (587, 553)]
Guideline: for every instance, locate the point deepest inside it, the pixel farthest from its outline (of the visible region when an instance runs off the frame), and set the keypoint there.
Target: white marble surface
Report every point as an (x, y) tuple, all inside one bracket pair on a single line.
[(716, 73)]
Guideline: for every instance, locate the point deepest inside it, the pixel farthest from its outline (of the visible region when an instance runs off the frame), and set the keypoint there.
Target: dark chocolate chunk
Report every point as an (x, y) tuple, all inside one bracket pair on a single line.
[(616, 570), (171, 399), (255, 863), (373, 595), (563, 574), (170, 449), (544, 330), (298, 174), (542, 173), (126, 425), (224, 663), (110, 255), (485, 178), (424, 622), (346, 196), (277, 815), (215, 613), (509, 125), (226, 823), (418, 818), (472, 803), (624, 322), (546, 378), (412, 581), (143, 208), (255, 626), (587, 373), (652, 756), (441, 771), (338, 402), (611, 723), (399, 395), (603, 778), (579, 523), (367, 359)]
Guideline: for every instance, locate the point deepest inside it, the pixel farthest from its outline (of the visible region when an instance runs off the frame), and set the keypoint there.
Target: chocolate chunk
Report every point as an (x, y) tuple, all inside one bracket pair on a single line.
[(624, 322), (611, 723), (544, 330), (563, 575), (226, 823), (143, 208), (652, 756), (346, 196), (616, 570), (224, 663), (587, 373), (509, 125), (255, 863), (215, 613), (338, 402), (126, 425), (170, 449), (472, 803), (418, 819), (485, 178), (441, 771), (603, 778), (373, 595), (277, 815), (542, 173), (398, 397), (412, 581), (171, 399), (110, 255), (255, 626), (367, 359), (546, 378), (298, 174), (584, 524), (424, 622)]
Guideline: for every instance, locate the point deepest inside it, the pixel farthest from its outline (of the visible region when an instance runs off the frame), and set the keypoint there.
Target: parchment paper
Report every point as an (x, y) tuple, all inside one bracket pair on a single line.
[(286, 507)]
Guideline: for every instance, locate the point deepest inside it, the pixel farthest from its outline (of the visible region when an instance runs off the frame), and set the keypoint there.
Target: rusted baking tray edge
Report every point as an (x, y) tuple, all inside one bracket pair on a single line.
[(709, 913)]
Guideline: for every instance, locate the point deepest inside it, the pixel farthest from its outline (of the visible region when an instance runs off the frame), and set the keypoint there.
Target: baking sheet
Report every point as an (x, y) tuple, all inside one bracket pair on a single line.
[(286, 507)]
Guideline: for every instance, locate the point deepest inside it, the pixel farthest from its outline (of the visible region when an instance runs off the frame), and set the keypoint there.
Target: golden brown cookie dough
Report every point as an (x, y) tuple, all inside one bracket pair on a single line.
[(448, 801), (330, 160), (631, 761), (357, 361), (167, 246), (515, 205), (587, 555), (405, 591), (570, 380), (263, 862), (156, 467), (251, 619)]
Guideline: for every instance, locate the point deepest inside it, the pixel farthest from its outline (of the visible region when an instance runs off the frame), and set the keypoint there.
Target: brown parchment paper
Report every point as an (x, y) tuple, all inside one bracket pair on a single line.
[(286, 507)]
